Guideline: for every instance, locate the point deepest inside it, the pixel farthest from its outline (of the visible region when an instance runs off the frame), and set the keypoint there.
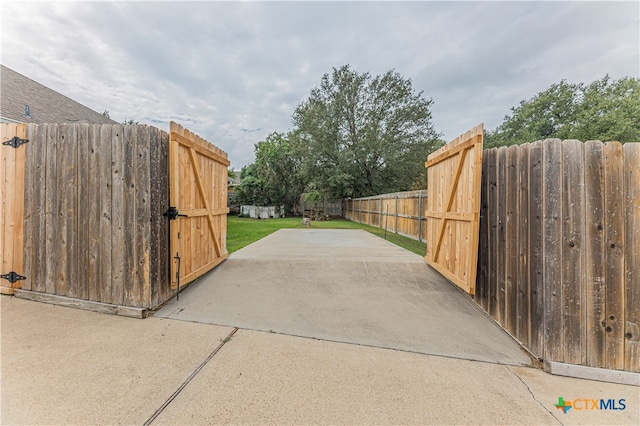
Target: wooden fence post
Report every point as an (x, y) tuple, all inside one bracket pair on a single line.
[(420, 216)]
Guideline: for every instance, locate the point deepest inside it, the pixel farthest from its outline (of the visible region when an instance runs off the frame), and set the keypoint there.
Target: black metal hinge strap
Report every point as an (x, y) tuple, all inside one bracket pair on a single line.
[(15, 142), (12, 277)]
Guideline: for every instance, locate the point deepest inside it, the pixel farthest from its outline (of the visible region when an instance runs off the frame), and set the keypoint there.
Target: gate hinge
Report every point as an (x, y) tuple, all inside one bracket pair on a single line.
[(12, 277), (15, 142), (172, 213)]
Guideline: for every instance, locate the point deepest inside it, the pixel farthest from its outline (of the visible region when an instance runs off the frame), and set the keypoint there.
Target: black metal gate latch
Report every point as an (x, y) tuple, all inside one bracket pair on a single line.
[(12, 277), (172, 213), (15, 142)]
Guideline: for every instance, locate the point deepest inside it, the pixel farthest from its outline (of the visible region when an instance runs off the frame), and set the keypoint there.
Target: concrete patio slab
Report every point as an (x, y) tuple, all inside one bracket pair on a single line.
[(345, 286), (69, 366), (275, 379)]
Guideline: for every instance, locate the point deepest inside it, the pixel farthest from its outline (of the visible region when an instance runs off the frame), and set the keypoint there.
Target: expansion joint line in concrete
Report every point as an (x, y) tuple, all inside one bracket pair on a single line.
[(533, 396), (188, 380)]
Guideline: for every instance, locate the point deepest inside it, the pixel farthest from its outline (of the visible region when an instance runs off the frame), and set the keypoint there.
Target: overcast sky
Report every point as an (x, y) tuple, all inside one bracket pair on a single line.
[(233, 72)]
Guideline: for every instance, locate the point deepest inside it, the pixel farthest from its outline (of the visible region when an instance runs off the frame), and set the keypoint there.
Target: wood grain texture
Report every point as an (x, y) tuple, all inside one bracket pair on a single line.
[(84, 202), (119, 171), (631, 153), (573, 252), (536, 254), (104, 237), (501, 236), (552, 181), (614, 207), (595, 290), (493, 233), (512, 246), (30, 208), (522, 219), (51, 208)]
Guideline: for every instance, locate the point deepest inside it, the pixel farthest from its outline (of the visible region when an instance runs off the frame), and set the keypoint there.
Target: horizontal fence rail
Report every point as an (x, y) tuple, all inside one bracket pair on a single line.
[(559, 256), (403, 213)]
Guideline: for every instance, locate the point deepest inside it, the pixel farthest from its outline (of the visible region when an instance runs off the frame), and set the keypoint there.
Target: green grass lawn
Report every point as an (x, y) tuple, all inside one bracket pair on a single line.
[(242, 231)]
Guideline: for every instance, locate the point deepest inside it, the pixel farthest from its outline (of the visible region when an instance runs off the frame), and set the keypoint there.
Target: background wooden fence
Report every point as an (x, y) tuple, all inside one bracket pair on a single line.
[(93, 224), (559, 264), (400, 212), (324, 207)]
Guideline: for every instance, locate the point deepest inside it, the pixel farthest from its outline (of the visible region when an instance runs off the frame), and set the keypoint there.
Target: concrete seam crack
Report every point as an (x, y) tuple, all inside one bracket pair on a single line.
[(533, 396), (190, 378)]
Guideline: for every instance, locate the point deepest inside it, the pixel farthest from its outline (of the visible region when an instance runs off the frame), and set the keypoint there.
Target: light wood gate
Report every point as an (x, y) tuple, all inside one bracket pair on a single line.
[(453, 208), (198, 191), (12, 160)]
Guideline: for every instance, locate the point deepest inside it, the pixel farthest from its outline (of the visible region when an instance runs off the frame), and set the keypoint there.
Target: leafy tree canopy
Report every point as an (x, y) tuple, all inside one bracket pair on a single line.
[(605, 109), (359, 135), (274, 178)]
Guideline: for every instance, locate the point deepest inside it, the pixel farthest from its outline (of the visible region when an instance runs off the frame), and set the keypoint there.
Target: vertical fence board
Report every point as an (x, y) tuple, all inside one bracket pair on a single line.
[(164, 279), (552, 225), (511, 236), (594, 253), (142, 290), (84, 197), (493, 233), (118, 240), (536, 254), (573, 227), (39, 255), (156, 210), (66, 253), (51, 207), (501, 238), (522, 219), (632, 256), (105, 149), (614, 251), (32, 198), (94, 213), (483, 242), (125, 185)]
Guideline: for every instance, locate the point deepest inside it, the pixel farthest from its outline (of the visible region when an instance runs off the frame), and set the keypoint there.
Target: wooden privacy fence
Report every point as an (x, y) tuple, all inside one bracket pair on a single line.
[(95, 229), (559, 263), (323, 208), (403, 213)]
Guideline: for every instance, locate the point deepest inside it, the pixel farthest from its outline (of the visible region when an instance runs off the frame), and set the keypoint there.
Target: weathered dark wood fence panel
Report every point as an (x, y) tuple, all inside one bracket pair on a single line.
[(561, 272), (402, 213), (94, 199)]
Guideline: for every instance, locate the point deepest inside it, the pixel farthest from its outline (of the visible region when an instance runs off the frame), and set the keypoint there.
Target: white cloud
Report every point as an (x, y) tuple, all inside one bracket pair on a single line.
[(233, 72)]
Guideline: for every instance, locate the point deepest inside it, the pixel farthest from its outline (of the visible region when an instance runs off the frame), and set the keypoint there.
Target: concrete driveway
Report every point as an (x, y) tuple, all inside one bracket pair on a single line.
[(345, 286)]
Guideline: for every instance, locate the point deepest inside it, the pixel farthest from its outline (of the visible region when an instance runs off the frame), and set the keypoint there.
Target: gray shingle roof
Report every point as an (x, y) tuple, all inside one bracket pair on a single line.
[(45, 105)]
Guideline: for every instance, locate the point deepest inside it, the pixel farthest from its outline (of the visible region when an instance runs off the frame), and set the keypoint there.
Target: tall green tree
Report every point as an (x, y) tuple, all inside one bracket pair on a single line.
[(605, 109), (359, 135), (251, 190), (274, 178)]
